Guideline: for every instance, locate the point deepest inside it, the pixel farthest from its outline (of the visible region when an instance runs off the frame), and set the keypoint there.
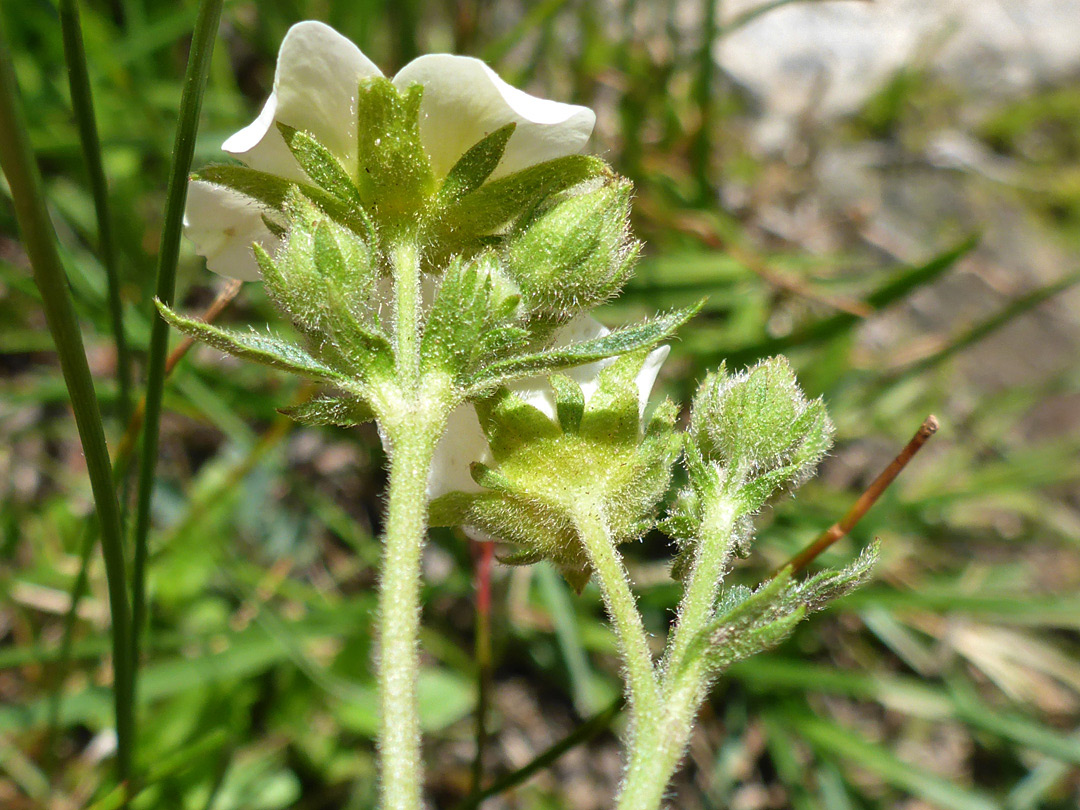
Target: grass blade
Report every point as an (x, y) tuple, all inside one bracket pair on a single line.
[(202, 46), (983, 329), (39, 237), (82, 104), (836, 741), (898, 287)]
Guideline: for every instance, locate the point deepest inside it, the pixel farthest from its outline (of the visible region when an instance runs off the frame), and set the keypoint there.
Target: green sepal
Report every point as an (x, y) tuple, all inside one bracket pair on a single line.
[(569, 402), (263, 349), (511, 424), (467, 322), (543, 470), (500, 201), (614, 409), (276, 228), (393, 174), (273, 191), (480, 218), (320, 165), (323, 278), (491, 479), (474, 167), (618, 342), (326, 409)]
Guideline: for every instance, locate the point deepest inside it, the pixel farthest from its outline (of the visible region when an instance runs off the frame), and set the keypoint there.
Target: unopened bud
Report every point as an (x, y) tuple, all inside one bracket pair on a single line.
[(321, 264), (759, 422), (576, 251)]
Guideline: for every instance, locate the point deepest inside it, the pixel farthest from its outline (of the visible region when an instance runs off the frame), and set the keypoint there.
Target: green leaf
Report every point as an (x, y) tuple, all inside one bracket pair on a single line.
[(896, 288), (842, 742), (748, 622), (620, 341), (475, 166), (325, 409), (252, 346)]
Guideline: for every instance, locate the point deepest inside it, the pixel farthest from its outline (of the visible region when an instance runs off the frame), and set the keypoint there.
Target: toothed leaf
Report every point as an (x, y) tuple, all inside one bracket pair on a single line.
[(268, 351)]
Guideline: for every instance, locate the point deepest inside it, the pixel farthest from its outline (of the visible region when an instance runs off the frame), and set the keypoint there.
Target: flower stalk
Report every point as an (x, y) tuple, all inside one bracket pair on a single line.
[(412, 440), (643, 694)]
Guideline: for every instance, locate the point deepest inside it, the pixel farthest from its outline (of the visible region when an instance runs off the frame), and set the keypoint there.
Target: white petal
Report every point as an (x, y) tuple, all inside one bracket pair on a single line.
[(260, 146), (462, 443), (223, 224), (537, 391), (646, 378), (465, 100), (315, 86)]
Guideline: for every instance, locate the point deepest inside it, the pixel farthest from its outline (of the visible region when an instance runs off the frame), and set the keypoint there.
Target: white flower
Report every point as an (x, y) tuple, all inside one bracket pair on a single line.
[(463, 441), (315, 89)]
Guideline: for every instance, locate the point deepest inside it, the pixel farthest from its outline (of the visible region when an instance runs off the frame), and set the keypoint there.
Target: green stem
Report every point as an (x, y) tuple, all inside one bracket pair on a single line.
[(643, 694), (82, 104), (654, 755), (413, 436), (39, 238), (412, 413), (202, 45), (91, 530), (712, 553)]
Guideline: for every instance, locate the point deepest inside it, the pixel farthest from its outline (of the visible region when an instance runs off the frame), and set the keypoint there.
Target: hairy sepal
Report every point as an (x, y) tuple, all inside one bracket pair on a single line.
[(544, 470), (473, 321)]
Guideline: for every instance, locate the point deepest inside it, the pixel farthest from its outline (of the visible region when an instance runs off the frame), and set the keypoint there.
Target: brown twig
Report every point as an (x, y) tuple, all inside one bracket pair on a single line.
[(865, 501)]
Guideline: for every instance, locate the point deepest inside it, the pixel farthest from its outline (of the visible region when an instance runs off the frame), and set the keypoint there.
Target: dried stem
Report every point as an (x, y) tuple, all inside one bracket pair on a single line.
[(865, 501)]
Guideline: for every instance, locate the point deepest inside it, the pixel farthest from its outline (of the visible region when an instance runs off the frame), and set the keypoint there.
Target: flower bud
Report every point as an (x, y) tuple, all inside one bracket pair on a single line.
[(759, 424), (553, 451), (750, 435), (575, 251), (321, 265)]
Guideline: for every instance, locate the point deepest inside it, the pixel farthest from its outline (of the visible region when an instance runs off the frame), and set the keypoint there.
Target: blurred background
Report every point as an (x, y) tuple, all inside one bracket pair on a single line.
[(888, 192)]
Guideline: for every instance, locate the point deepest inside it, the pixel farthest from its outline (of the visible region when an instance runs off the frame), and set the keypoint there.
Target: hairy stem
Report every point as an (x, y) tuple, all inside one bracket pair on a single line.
[(643, 691), (412, 444), (712, 552), (655, 753), (412, 413)]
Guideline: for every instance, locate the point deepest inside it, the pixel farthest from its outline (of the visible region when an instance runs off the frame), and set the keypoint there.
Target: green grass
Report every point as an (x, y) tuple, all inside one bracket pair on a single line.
[(952, 679)]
